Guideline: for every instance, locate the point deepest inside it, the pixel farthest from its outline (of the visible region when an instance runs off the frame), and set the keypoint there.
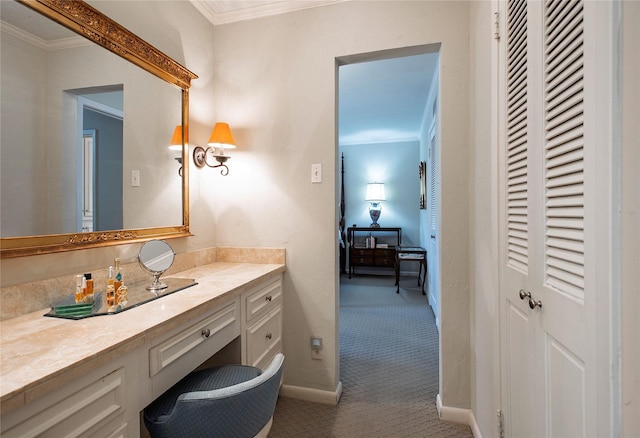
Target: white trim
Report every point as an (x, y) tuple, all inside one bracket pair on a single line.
[(378, 140), (458, 415), (226, 12), (312, 395), (59, 44)]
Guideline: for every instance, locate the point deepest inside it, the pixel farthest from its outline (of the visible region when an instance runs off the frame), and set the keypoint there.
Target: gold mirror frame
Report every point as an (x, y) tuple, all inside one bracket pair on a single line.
[(92, 24)]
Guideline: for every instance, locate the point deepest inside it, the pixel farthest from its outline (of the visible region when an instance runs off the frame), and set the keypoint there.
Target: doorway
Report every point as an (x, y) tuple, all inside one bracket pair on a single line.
[(100, 154), (387, 125)]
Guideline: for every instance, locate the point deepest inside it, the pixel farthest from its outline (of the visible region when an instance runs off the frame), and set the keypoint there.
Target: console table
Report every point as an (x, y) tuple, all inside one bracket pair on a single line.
[(373, 257)]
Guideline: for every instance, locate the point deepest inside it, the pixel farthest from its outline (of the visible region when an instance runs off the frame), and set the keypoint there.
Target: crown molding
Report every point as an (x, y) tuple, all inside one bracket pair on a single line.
[(59, 44), (225, 12)]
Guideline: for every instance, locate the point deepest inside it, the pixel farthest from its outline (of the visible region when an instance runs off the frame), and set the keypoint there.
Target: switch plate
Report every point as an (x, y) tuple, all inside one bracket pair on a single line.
[(316, 173), (135, 178), (316, 348)]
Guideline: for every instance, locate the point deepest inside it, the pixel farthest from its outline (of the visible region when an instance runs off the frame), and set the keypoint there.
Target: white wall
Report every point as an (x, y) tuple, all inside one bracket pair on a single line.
[(630, 217), (275, 81), (483, 205), (22, 66)]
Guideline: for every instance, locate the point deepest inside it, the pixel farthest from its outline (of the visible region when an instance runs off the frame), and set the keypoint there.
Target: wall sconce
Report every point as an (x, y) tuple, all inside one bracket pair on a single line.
[(176, 145), (375, 195), (221, 139)]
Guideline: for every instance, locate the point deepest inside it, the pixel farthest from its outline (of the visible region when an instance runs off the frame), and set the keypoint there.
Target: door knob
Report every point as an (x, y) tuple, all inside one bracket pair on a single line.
[(533, 304), (524, 295)]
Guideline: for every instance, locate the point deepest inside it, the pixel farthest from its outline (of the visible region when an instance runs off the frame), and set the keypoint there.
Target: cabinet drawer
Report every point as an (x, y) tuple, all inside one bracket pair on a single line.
[(385, 261), (361, 252), (86, 411), (364, 261), (216, 330), (385, 253), (264, 339), (262, 300)]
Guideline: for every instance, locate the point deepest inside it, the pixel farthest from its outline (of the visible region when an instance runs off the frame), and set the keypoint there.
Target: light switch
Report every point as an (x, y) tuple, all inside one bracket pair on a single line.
[(135, 178), (316, 173)]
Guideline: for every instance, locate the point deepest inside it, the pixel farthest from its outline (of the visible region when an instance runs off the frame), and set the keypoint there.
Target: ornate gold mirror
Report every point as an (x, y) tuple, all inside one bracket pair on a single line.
[(60, 190)]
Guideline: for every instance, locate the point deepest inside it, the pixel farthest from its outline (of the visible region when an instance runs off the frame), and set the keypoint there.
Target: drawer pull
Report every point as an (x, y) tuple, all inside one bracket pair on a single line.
[(206, 333), (268, 336), (268, 298)]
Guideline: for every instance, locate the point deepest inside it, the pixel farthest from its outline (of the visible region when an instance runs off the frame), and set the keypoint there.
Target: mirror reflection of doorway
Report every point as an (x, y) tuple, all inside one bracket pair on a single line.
[(107, 169), (99, 138)]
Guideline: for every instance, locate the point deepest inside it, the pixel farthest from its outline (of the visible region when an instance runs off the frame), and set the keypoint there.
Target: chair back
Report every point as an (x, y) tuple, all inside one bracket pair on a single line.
[(237, 411)]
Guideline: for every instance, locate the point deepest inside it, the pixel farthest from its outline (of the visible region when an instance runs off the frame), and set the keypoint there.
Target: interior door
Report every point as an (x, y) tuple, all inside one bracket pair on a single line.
[(519, 324), (433, 205), (550, 203), (88, 171)]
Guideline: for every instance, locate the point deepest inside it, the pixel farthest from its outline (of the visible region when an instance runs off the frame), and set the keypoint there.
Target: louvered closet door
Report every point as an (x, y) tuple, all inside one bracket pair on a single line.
[(547, 332)]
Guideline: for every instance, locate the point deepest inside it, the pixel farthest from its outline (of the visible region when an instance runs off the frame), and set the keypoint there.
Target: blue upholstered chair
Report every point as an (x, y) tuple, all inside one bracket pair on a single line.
[(233, 401)]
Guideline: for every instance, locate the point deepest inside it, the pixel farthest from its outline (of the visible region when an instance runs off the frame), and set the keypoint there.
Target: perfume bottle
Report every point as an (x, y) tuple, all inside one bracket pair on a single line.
[(122, 297), (79, 292), (118, 275), (88, 291), (111, 292)]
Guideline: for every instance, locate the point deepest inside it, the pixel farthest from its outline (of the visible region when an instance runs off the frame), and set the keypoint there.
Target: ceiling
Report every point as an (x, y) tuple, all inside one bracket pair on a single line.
[(379, 101), (384, 101)]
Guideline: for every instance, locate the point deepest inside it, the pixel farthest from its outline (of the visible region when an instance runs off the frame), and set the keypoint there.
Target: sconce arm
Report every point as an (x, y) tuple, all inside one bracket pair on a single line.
[(202, 156)]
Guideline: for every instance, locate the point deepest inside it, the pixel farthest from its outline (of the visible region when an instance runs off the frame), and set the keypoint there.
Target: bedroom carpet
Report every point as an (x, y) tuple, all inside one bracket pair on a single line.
[(389, 369)]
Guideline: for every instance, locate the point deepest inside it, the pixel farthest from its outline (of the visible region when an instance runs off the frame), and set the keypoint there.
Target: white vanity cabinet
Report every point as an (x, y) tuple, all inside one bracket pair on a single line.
[(262, 323), (100, 404), (103, 387)]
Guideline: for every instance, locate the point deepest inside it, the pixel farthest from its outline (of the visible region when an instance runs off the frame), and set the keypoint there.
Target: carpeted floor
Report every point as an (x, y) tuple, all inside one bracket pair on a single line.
[(389, 369)]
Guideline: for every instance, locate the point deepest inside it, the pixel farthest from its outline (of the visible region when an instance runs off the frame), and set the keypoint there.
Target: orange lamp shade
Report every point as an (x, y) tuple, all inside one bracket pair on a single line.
[(221, 136), (176, 139)]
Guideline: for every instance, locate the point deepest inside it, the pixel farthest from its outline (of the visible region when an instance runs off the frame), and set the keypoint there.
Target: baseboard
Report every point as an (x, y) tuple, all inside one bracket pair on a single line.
[(432, 300), (458, 415), (312, 395)]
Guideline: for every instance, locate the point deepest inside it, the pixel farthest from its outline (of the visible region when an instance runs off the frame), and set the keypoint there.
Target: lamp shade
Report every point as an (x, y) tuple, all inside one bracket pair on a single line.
[(375, 192), (221, 136), (176, 139)]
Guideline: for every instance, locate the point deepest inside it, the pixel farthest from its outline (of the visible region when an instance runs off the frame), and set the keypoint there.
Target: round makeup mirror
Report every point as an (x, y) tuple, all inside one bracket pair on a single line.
[(155, 257)]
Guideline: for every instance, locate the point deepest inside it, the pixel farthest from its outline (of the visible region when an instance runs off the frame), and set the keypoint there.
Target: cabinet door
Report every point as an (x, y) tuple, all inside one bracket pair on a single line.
[(86, 407), (554, 216)]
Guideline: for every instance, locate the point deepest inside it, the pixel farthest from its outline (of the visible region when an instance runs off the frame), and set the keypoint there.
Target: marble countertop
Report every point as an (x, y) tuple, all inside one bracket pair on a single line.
[(39, 354)]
